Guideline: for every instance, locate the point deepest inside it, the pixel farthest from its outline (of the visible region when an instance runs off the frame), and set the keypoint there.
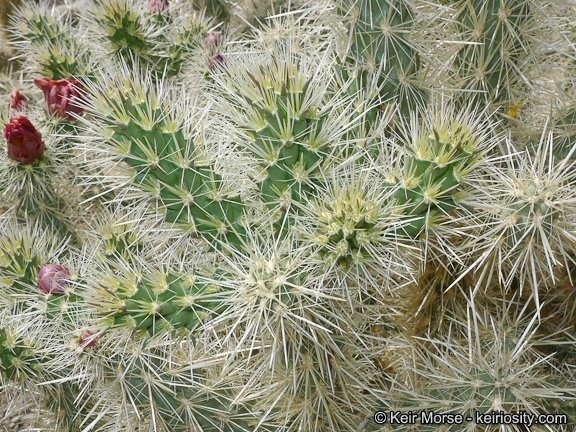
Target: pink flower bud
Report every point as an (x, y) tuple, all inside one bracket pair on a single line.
[(88, 339), (564, 8), (60, 96), (52, 278), (23, 142), (212, 41), (157, 6), (216, 60), (17, 101)]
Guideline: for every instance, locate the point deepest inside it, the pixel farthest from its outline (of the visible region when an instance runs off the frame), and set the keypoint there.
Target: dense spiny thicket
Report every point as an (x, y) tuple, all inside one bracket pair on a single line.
[(353, 206)]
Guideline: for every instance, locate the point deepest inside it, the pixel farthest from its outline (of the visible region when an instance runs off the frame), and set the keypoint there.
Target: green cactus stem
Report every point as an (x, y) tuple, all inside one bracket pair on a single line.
[(381, 47), (491, 66)]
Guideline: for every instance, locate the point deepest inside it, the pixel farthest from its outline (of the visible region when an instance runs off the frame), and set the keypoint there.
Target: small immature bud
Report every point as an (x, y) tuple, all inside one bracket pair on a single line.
[(52, 278), (157, 6), (216, 60), (88, 339), (212, 41), (23, 142), (17, 101), (60, 96)]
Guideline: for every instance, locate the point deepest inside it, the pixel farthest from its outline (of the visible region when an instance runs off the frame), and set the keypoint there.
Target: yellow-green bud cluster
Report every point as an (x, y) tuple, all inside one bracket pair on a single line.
[(427, 183), (348, 221)]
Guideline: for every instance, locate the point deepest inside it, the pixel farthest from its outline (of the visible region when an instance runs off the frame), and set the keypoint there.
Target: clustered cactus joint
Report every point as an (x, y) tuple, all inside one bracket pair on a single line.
[(353, 207)]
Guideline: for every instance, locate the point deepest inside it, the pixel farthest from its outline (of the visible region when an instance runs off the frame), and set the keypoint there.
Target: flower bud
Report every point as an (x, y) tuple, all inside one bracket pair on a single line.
[(157, 6), (23, 142), (17, 101), (216, 60), (60, 96), (212, 41), (88, 339), (52, 278)]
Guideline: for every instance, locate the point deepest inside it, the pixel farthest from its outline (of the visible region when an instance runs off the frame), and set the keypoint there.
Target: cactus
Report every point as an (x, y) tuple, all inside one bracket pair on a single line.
[(148, 383), (380, 46), (151, 35), (492, 367), (53, 48), (290, 228), (529, 230), (291, 119), (156, 302), (439, 158), (167, 158), (491, 65)]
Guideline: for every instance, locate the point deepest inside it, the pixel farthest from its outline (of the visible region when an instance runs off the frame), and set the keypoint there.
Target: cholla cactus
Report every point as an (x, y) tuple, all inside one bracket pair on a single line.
[(441, 153), (154, 302), (48, 42), (295, 121), (380, 45), (355, 226), (495, 53), (529, 234), (279, 230), (158, 388), (488, 362), (127, 29), (153, 34), (169, 162)]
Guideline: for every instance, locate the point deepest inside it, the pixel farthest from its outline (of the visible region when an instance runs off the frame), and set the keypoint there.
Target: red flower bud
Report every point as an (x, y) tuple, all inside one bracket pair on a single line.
[(52, 278), (157, 6), (88, 339), (212, 41), (23, 142), (60, 96), (216, 60), (17, 101)]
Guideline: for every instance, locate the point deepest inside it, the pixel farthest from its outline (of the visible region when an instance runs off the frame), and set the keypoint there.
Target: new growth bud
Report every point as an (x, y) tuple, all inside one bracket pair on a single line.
[(88, 339), (23, 142), (157, 6), (60, 96), (212, 41), (17, 101), (52, 278), (216, 60)]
